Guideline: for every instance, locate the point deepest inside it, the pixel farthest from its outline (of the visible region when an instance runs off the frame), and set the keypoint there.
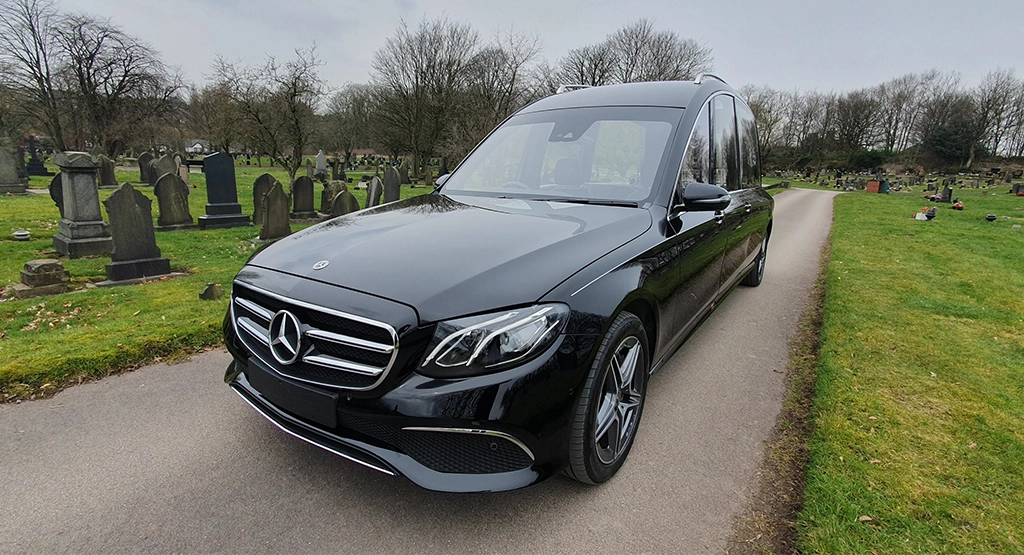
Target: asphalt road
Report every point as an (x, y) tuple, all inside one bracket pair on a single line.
[(169, 459)]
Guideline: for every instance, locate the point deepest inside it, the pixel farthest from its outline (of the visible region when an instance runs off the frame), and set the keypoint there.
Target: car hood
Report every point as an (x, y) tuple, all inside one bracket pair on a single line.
[(453, 256)]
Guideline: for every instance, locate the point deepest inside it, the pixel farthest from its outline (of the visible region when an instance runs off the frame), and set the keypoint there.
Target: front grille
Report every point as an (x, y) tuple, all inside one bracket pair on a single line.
[(336, 349), (445, 451)]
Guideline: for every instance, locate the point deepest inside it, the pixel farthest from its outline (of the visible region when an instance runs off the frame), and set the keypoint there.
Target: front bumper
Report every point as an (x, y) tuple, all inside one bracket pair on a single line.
[(489, 433)]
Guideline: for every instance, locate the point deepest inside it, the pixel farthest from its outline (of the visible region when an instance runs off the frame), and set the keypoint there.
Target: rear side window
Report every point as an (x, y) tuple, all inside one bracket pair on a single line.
[(750, 163), (725, 150)]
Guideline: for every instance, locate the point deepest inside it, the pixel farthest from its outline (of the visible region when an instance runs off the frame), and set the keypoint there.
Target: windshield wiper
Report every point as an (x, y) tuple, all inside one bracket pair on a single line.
[(599, 201)]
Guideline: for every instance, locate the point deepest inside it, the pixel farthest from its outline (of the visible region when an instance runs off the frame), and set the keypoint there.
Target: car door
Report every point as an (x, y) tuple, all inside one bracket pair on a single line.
[(697, 236), (725, 170)]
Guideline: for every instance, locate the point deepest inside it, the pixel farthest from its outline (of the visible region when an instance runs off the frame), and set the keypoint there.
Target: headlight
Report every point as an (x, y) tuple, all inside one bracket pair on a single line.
[(487, 343)]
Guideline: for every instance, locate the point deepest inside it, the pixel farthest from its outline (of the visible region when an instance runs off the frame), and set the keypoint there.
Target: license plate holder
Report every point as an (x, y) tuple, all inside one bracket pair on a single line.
[(309, 403)]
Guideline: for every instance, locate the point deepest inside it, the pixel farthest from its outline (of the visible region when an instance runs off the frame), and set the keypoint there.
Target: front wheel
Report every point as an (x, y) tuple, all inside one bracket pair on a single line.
[(608, 411), (753, 279)]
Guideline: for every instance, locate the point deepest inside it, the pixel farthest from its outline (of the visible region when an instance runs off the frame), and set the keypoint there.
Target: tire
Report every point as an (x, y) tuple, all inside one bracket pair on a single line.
[(596, 454), (756, 274)]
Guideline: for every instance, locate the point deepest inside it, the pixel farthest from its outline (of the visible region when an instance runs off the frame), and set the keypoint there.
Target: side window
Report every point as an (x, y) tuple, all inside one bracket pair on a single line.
[(750, 163), (697, 160), (725, 150)]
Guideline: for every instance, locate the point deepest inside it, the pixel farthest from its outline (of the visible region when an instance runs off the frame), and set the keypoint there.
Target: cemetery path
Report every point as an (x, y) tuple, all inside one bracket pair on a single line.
[(169, 459)]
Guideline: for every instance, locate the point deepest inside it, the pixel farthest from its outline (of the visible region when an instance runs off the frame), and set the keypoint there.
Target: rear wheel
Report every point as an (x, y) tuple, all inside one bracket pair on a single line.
[(608, 411), (755, 276)]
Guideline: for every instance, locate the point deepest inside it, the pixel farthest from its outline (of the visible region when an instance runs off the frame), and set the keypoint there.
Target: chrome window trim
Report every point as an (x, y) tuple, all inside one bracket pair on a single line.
[(475, 431), (382, 325)]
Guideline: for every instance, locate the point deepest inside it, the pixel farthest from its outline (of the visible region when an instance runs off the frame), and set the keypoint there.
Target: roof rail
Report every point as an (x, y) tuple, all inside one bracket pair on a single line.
[(569, 88), (700, 78)]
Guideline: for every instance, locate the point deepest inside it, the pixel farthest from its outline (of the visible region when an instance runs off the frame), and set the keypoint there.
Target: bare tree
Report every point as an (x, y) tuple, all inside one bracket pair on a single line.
[(897, 111), (278, 104), (644, 54), (416, 77), (215, 116), (769, 108), (29, 52), (995, 96), (347, 121), (855, 117), (592, 65)]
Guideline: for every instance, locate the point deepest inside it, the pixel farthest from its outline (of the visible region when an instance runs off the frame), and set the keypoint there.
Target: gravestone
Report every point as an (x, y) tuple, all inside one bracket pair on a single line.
[(183, 173), (302, 196), (373, 192), (135, 254), (107, 179), (320, 172), (1018, 190), (10, 181), (1008, 178), (342, 177), (335, 166), (35, 164), (392, 185), (403, 173), (172, 201), (444, 167), (344, 203), (144, 159), (260, 188), (309, 168), (163, 166), (223, 209), (41, 277), (947, 194), (57, 192), (274, 224), (975, 184), (81, 231), (331, 190)]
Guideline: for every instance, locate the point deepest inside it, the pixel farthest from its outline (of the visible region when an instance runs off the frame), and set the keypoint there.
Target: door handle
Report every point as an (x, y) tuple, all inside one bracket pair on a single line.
[(747, 207)]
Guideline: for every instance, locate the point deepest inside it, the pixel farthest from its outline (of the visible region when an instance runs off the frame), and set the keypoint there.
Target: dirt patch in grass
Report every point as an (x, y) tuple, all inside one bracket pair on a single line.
[(768, 524)]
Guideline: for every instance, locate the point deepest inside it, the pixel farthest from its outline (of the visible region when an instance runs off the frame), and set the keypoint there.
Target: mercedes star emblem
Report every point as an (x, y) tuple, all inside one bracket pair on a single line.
[(285, 337), (321, 265)]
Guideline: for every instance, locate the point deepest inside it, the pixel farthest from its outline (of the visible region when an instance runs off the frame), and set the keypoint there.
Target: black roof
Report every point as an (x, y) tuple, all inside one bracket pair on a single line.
[(672, 94)]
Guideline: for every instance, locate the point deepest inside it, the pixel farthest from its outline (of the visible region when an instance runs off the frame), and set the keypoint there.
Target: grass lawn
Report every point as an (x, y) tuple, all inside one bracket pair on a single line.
[(49, 342), (918, 444)]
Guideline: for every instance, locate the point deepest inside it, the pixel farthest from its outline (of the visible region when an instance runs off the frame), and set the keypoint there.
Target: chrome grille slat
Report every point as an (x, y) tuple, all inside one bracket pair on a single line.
[(349, 341), (325, 349)]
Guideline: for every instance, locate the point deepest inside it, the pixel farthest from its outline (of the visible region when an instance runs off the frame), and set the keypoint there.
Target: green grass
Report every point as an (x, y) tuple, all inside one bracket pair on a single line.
[(919, 403), (49, 342)]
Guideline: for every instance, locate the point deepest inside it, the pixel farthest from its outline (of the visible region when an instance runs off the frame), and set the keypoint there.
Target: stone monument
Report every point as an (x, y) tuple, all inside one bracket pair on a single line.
[(135, 254), (373, 192), (344, 203), (144, 159), (172, 201), (10, 181), (41, 277), (260, 188), (274, 224), (35, 164), (392, 185), (223, 209), (82, 231), (57, 192), (107, 179), (302, 195)]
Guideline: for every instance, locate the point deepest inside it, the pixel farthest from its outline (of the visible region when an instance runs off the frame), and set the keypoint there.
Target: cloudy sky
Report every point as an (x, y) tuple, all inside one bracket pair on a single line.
[(789, 44)]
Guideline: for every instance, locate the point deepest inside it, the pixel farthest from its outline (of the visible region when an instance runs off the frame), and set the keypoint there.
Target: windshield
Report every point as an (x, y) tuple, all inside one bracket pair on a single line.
[(577, 154)]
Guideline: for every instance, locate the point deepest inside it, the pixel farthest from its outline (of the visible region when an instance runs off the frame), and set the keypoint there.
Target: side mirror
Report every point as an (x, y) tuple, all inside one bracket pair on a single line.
[(705, 197), (440, 180)]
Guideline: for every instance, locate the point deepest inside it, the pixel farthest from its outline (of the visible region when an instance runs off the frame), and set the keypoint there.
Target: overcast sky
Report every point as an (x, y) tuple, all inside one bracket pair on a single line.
[(788, 44)]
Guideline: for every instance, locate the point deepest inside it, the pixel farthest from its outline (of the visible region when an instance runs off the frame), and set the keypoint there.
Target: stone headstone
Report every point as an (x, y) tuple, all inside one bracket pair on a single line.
[(107, 179), (260, 188), (444, 167), (403, 173), (320, 171), (335, 167), (135, 254), (302, 196), (35, 164), (41, 277), (183, 173), (81, 231), (57, 192), (344, 203), (373, 192), (1008, 178), (164, 165), (172, 201), (144, 159), (947, 194), (10, 181), (211, 292), (341, 176), (331, 190), (392, 185), (274, 224), (223, 209), (309, 168)]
